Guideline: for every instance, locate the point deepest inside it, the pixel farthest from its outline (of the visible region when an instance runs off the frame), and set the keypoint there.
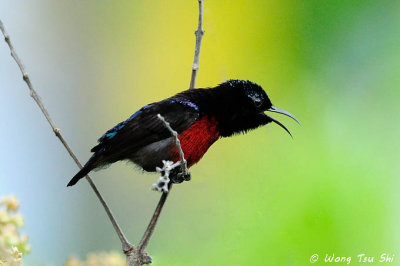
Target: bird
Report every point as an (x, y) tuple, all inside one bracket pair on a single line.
[(200, 116)]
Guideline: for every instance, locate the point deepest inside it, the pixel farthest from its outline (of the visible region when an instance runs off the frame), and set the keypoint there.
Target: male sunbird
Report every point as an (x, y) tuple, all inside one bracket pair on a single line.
[(199, 116)]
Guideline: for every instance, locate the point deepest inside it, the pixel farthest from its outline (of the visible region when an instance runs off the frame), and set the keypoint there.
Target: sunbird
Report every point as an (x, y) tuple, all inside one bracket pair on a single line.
[(199, 116)]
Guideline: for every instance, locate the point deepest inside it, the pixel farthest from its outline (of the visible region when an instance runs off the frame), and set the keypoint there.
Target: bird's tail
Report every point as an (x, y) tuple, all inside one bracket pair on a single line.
[(82, 173)]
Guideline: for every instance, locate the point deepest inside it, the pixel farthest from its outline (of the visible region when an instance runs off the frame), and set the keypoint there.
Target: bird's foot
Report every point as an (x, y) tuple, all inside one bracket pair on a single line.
[(180, 177), (177, 176), (170, 174)]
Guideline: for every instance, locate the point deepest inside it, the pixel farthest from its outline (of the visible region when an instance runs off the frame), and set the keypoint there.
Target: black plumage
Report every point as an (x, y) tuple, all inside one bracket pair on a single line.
[(234, 106)]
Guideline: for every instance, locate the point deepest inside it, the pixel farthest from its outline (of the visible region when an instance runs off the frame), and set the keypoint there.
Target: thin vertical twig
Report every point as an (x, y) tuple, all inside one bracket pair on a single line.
[(199, 36), (125, 243), (139, 256)]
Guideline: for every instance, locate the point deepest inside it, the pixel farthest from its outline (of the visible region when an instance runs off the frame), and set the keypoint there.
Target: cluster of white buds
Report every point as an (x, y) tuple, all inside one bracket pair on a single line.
[(163, 180)]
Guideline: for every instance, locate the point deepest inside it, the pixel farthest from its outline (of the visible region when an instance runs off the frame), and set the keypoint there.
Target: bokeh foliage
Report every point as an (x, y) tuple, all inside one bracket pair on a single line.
[(13, 244)]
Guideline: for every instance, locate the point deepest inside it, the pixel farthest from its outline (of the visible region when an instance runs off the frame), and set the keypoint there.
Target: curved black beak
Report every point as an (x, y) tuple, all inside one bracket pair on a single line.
[(280, 111)]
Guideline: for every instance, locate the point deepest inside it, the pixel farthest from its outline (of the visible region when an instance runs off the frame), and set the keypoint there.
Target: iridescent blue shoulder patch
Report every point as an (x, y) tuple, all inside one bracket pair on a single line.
[(112, 132), (186, 102)]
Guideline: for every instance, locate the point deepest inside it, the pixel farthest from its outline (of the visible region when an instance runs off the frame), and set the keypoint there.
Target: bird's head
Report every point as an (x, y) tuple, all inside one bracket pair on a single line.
[(244, 107)]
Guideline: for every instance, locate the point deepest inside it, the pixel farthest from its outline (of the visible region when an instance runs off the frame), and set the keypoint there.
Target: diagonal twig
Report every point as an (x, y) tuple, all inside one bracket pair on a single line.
[(184, 168), (125, 243), (134, 256), (153, 222)]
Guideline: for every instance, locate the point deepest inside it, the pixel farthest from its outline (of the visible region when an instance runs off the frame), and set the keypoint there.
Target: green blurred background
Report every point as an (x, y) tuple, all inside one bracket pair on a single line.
[(256, 199)]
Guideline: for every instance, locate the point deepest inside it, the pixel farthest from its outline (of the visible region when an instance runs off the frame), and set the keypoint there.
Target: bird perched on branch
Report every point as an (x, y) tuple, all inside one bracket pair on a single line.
[(199, 116)]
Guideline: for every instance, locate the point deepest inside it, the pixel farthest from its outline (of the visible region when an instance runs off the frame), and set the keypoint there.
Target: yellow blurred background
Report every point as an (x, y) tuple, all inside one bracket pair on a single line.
[(257, 199)]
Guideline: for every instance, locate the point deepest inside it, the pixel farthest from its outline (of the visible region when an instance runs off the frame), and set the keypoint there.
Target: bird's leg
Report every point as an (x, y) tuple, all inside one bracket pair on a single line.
[(177, 176), (170, 173), (186, 177)]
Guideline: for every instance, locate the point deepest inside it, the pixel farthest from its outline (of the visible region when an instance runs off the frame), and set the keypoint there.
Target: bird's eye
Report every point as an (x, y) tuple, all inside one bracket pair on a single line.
[(257, 101)]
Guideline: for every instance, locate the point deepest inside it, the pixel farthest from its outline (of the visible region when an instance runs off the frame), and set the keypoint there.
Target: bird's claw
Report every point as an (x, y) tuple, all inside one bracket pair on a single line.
[(187, 177), (169, 174), (180, 177)]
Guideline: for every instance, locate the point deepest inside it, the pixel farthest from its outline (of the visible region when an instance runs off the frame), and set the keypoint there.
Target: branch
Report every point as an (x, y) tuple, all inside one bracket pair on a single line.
[(199, 36), (139, 256), (126, 246), (184, 168)]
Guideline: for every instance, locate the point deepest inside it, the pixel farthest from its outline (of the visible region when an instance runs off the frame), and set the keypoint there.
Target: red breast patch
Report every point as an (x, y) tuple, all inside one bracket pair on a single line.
[(196, 140)]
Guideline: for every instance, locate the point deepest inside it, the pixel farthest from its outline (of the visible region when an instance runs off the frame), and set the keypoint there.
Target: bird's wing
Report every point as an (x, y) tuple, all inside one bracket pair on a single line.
[(144, 128)]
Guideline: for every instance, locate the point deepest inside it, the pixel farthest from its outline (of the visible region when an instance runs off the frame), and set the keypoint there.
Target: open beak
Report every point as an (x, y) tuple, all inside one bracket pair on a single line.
[(280, 111)]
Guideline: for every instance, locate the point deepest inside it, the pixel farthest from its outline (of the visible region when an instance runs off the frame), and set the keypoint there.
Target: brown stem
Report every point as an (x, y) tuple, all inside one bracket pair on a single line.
[(140, 256), (153, 222), (199, 36), (174, 134)]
